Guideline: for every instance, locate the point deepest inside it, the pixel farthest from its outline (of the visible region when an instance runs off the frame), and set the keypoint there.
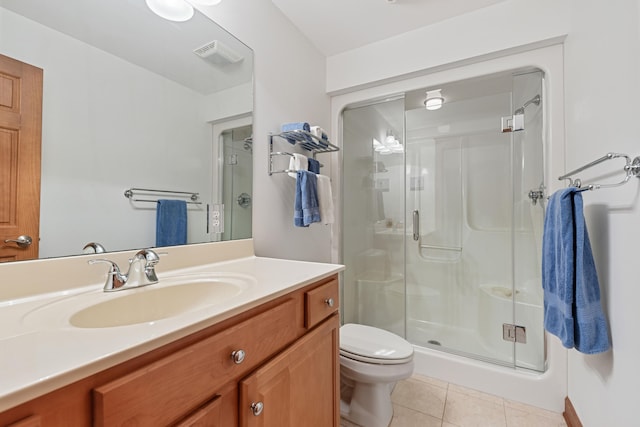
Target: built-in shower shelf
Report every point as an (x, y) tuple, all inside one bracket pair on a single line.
[(304, 139)]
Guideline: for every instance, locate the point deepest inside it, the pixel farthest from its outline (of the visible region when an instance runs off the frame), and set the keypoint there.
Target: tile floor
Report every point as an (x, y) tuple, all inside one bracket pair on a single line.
[(425, 402)]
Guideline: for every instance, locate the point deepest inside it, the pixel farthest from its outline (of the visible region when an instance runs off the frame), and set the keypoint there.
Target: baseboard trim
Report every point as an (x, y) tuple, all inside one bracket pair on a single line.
[(570, 415)]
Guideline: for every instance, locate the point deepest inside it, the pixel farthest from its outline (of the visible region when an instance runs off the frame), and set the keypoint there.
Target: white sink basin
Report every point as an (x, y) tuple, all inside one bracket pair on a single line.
[(169, 298)]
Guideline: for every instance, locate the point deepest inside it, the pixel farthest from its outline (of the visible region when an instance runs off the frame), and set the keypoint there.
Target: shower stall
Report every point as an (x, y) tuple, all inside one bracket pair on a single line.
[(442, 218)]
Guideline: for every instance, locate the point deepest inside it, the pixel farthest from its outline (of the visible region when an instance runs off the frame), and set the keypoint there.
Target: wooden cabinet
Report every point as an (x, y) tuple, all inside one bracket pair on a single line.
[(283, 353), (162, 392), (298, 387)]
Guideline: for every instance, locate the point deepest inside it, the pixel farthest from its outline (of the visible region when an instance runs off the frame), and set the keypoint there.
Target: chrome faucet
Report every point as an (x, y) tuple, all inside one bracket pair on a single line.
[(141, 271)]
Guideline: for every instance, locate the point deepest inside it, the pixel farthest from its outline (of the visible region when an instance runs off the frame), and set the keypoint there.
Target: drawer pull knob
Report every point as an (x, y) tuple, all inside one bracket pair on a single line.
[(329, 302), (238, 356), (257, 408)]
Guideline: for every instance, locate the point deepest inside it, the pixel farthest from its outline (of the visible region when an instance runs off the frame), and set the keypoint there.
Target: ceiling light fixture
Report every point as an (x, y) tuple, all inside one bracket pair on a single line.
[(177, 10), (171, 10), (434, 99)]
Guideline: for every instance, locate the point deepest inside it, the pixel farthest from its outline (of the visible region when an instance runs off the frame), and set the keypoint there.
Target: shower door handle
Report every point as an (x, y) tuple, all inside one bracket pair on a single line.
[(416, 225)]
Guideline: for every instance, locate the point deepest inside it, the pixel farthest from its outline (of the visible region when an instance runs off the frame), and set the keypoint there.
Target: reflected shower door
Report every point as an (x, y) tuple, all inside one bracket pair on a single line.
[(237, 177)]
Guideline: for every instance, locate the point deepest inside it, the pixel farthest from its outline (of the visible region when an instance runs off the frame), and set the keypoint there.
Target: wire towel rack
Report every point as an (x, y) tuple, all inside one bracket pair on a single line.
[(631, 169), (130, 194), (306, 140)]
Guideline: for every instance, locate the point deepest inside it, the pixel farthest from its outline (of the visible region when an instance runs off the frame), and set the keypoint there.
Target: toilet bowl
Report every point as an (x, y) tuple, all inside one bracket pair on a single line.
[(372, 360)]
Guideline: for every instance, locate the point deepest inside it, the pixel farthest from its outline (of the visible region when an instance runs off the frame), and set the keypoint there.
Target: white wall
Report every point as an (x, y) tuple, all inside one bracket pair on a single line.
[(505, 27), (289, 87), (602, 63)]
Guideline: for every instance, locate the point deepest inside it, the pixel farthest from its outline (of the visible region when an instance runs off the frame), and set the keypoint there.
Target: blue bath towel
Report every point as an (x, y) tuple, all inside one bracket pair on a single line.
[(288, 127), (171, 223), (572, 308), (313, 165), (307, 208)]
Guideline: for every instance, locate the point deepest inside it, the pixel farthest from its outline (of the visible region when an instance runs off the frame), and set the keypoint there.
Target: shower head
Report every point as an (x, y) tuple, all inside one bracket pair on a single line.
[(248, 144), (535, 100)]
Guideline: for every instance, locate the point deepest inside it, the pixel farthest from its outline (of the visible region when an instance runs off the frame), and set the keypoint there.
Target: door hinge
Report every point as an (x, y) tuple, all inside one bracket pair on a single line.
[(514, 333), (512, 123)]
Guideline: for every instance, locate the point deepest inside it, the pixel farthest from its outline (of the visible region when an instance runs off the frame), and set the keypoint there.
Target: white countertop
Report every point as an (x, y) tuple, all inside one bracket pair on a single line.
[(41, 351)]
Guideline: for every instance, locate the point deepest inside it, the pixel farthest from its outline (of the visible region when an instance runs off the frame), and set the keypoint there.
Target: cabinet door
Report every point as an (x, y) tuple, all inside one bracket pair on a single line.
[(206, 416), (299, 387)]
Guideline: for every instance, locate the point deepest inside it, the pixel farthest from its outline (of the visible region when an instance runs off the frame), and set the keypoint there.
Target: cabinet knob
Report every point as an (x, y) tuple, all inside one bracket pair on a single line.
[(238, 356), (329, 302), (256, 408)]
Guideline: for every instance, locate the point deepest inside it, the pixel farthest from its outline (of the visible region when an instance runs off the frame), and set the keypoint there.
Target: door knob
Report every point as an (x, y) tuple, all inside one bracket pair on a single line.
[(238, 356), (256, 408), (23, 241)]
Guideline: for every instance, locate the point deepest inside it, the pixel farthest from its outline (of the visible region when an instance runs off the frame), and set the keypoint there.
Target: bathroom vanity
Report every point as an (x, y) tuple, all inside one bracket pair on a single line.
[(267, 356)]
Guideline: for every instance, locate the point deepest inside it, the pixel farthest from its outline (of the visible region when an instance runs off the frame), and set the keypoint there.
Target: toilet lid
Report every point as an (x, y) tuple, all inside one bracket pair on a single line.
[(368, 344)]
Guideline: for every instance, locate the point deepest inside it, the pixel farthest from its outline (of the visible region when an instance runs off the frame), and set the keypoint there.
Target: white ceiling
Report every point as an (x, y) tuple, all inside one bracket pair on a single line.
[(335, 26), (129, 30)]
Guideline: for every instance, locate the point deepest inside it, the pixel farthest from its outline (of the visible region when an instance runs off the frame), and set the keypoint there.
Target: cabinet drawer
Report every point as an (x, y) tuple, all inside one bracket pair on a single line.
[(320, 303), (168, 389), (32, 421)]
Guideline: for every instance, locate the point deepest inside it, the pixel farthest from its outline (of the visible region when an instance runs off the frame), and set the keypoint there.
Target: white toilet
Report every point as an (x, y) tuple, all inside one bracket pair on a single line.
[(372, 360)]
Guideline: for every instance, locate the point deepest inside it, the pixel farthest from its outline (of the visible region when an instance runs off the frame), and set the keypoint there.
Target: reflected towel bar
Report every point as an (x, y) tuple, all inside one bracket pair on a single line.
[(631, 168), (129, 194)]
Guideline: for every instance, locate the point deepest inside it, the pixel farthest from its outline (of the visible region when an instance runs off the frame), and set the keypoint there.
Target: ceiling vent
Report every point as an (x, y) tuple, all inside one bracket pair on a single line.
[(218, 53)]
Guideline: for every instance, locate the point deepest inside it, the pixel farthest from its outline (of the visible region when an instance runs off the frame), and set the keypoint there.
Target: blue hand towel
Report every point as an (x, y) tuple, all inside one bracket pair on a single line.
[(171, 223), (307, 208), (313, 165), (572, 308), (288, 127)]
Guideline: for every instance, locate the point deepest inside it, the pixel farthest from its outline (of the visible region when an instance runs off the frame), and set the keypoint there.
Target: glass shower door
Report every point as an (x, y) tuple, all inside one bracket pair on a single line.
[(442, 219), (373, 215), (471, 258), (528, 218)]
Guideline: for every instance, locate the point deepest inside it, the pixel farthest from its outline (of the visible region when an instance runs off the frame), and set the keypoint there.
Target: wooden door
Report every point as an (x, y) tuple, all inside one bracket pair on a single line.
[(20, 140), (299, 387)]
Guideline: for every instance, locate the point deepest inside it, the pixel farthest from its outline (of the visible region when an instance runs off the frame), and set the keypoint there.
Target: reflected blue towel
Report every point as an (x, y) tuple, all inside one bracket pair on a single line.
[(171, 223), (307, 208), (287, 127), (572, 308), (313, 165)]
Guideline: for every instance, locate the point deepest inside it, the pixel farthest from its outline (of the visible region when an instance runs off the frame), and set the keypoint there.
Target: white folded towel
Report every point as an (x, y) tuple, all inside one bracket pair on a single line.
[(298, 162), (325, 200), (318, 132)]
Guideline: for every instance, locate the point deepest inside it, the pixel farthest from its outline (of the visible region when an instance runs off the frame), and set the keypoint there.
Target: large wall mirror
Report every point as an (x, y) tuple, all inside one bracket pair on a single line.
[(128, 104)]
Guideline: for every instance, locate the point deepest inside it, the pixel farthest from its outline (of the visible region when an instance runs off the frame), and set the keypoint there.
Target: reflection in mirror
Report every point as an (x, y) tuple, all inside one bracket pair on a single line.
[(127, 103)]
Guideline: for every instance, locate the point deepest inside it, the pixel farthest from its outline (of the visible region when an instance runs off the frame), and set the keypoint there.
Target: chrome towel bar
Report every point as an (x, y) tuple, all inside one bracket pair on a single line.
[(631, 169)]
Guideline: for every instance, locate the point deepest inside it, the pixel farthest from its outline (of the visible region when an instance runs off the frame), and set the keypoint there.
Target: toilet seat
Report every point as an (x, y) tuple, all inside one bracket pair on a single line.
[(372, 345)]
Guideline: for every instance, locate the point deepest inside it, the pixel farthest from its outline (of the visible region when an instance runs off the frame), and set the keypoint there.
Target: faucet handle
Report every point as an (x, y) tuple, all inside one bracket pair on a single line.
[(115, 278), (114, 267), (151, 257)]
